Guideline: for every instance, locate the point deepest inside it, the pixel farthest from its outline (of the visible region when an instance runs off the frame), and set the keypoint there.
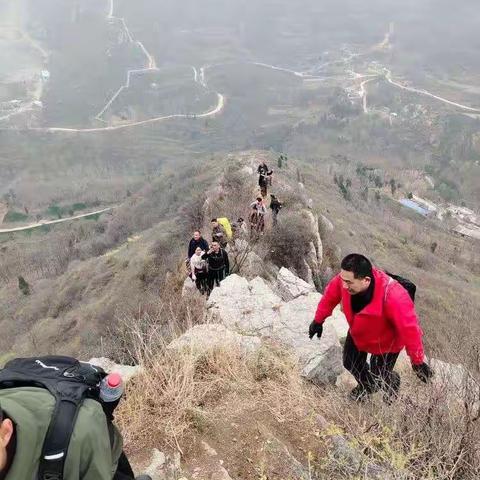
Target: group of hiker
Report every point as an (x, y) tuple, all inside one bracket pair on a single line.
[(56, 413), (208, 262), (258, 209)]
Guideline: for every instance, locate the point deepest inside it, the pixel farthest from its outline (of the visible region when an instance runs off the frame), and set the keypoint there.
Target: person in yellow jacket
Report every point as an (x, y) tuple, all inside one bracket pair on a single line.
[(218, 233), (25, 414)]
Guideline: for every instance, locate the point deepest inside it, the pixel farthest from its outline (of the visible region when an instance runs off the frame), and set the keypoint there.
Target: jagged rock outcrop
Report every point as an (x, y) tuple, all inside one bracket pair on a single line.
[(252, 308), (163, 467), (289, 286), (326, 223), (204, 338), (314, 258)]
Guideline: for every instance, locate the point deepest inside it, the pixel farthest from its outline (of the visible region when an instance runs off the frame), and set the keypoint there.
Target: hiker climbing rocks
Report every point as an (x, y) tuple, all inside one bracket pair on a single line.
[(218, 233), (240, 229), (275, 206), (198, 267), (196, 241), (382, 320), (58, 426), (257, 215), (264, 178), (218, 265)]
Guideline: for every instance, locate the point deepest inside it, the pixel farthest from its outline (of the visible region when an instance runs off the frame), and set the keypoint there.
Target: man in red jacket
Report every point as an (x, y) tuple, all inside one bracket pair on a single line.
[(382, 321)]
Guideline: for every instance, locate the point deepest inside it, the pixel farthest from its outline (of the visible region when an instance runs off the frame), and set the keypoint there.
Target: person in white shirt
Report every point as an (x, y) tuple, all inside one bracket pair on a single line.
[(257, 215), (199, 270)]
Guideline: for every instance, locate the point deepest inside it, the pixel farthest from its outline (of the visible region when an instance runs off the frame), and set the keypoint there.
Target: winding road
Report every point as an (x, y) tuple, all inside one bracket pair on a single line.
[(389, 79), (54, 222), (199, 77), (151, 64)]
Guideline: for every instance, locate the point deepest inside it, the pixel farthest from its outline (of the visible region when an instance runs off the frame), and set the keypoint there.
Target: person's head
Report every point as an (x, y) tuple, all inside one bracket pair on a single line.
[(198, 251), (215, 246), (259, 199), (356, 273), (6, 433), (214, 222), (272, 196), (197, 235), (240, 220)]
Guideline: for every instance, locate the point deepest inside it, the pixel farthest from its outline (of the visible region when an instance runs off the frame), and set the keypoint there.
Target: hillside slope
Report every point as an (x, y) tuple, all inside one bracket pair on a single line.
[(240, 409), (76, 311)]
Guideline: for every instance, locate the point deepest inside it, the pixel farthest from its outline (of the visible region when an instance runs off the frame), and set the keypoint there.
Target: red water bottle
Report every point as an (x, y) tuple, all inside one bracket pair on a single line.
[(111, 388)]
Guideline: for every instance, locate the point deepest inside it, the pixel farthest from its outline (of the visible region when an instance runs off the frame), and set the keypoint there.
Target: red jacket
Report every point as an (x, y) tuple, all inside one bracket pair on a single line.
[(386, 325)]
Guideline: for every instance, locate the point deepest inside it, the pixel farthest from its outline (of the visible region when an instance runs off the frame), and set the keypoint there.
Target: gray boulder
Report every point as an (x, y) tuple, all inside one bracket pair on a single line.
[(326, 223), (315, 257), (289, 286), (338, 321), (252, 308), (455, 382), (161, 466), (204, 338)]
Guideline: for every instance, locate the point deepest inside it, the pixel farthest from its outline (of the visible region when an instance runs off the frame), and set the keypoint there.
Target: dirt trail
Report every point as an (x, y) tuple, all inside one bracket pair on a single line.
[(429, 94), (53, 222)]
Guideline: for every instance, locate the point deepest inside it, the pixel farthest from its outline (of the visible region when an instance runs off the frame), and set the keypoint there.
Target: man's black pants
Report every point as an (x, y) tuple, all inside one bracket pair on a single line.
[(215, 277), (201, 280), (378, 375)]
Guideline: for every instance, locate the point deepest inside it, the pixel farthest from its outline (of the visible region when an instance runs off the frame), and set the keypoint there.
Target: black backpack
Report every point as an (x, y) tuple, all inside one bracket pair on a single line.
[(70, 382), (409, 286)]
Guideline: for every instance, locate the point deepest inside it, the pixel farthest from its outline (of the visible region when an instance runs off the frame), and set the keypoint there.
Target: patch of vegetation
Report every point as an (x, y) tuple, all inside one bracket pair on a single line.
[(23, 286), (58, 211), (13, 216)]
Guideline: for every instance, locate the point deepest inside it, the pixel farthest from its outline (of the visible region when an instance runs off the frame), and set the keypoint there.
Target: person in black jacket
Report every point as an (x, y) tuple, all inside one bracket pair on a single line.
[(195, 242), (275, 205), (264, 178), (218, 265)]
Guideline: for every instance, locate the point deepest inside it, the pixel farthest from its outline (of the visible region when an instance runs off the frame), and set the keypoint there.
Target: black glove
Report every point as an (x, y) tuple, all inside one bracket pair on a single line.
[(315, 329), (423, 372)]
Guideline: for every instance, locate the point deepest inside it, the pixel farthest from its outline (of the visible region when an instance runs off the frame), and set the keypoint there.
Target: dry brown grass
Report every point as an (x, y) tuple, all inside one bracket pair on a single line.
[(180, 390), (184, 396), (428, 433)]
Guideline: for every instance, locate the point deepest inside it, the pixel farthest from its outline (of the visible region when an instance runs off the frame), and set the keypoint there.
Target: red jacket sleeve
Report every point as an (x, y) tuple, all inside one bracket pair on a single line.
[(332, 296), (401, 311)]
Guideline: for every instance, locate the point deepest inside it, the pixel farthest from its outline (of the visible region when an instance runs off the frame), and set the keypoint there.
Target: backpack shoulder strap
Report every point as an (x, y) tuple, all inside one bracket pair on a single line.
[(57, 439)]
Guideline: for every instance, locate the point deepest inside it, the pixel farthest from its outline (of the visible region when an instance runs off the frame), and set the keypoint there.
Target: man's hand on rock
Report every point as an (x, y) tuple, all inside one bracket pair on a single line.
[(423, 372), (315, 329)]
